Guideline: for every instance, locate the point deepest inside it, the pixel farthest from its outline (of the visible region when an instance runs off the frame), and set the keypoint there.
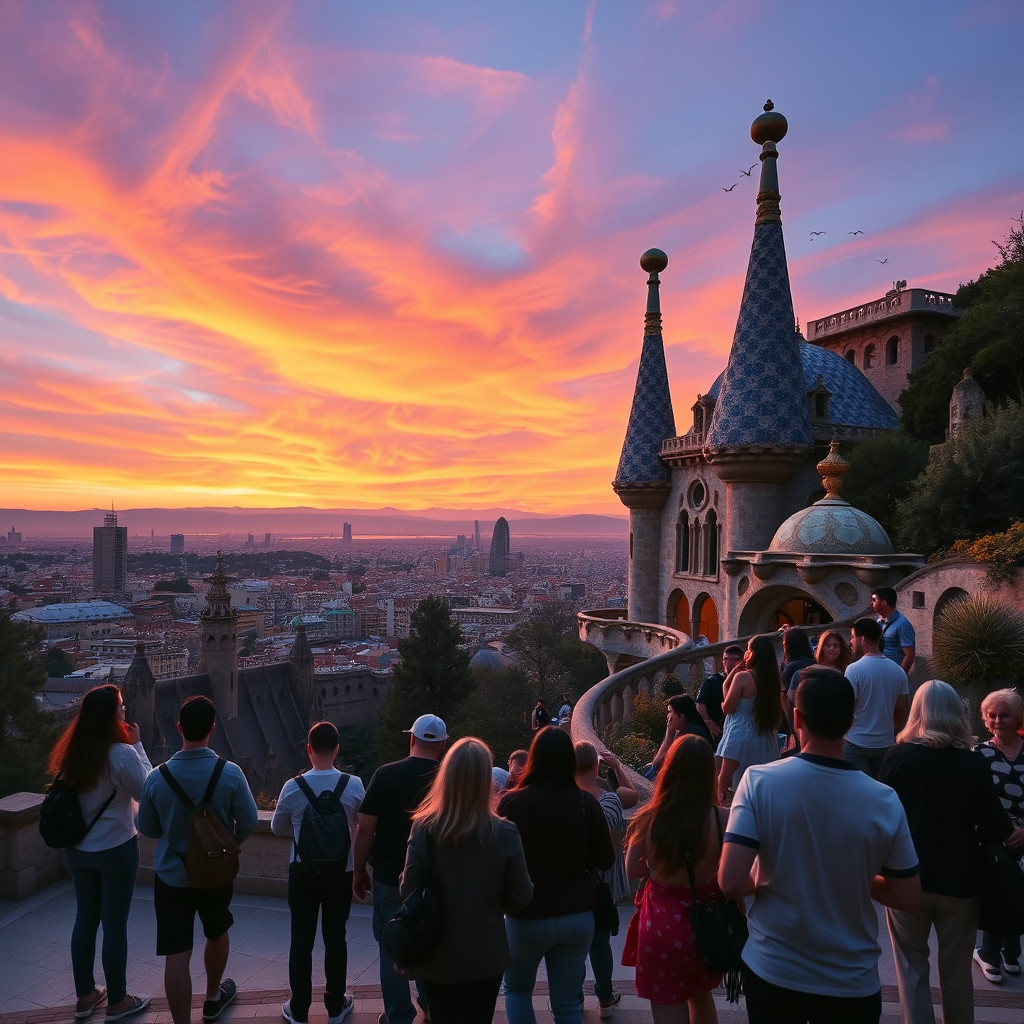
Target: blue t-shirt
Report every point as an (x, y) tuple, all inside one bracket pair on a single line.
[(897, 633)]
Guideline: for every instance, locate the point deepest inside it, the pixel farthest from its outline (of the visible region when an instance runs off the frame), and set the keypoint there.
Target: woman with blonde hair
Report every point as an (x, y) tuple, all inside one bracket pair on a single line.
[(101, 757), (951, 806), (674, 840), (833, 650), (1002, 713), (478, 861)]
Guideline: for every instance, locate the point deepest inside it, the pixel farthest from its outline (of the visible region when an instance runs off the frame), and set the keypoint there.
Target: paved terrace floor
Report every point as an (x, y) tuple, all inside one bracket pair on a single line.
[(36, 984)]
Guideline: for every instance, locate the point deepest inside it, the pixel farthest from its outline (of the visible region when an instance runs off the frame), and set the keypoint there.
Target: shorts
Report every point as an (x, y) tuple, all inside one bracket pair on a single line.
[(176, 909)]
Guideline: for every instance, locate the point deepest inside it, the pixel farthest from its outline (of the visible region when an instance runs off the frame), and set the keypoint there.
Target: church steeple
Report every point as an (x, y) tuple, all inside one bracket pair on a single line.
[(219, 657), (761, 410), (139, 690)]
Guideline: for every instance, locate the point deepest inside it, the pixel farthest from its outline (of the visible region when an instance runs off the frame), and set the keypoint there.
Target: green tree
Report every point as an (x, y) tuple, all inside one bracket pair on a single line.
[(971, 487), (882, 471), (433, 675), (27, 733), (548, 645), (498, 711), (179, 585), (58, 663), (988, 338)]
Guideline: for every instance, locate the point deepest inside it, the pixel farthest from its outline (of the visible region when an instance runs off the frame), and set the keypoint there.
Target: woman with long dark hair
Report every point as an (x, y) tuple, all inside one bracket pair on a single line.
[(679, 831), (566, 839), (753, 711), (478, 861), (101, 757)]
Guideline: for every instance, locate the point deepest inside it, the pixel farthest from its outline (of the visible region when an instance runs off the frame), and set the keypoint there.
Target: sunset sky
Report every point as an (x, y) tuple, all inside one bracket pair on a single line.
[(340, 254)]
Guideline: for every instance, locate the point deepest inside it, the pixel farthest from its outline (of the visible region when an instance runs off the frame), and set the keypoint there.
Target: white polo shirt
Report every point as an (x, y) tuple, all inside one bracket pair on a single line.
[(822, 831), (877, 684)]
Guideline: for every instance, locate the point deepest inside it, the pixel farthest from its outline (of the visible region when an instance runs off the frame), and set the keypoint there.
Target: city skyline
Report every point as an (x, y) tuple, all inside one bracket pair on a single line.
[(308, 254)]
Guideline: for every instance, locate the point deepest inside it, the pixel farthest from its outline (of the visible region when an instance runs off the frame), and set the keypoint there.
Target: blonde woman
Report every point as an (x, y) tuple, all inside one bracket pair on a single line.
[(951, 805), (481, 871), (1002, 713)]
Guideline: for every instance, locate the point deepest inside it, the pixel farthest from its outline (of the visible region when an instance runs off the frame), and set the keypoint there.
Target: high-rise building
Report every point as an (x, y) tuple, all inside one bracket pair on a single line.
[(476, 534), (109, 556), (346, 535), (177, 543), (499, 548)]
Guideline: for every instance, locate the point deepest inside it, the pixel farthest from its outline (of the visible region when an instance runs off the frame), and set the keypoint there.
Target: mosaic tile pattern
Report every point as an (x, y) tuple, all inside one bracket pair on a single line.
[(763, 399), (832, 526), (650, 420)]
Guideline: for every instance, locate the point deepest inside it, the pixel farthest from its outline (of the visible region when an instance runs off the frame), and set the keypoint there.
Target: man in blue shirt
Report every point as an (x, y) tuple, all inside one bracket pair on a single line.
[(164, 816), (898, 637)]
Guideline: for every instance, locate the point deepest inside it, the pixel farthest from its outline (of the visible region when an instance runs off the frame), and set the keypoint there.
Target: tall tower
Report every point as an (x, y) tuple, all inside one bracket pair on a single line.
[(109, 556), (760, 430), (476, 534), (346, 533), (500, 540), (218, 625), (139, 690), (642, 479), (301, 660)]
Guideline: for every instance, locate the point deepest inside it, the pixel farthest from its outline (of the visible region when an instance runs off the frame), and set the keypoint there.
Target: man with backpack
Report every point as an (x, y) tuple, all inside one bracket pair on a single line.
[(213, 792), (319, 811)]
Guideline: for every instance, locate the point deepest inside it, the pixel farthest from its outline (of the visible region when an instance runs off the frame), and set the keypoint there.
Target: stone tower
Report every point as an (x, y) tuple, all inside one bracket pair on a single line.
[(139, 691), (642, 479), (967, 403), (218, 627), (301, 661), (760, 430)]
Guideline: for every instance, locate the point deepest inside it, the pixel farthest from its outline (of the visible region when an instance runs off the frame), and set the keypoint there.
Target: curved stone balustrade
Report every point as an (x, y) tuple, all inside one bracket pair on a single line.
[(623, 642)]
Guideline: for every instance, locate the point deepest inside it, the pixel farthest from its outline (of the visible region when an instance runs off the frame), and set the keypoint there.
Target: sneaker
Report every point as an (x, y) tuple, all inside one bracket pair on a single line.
[(135, 1004), (1010, 966), (86, 1006), (604, 1010), (213, 1008), (345, 1011), (382, 1018), (991, 971), (286, 1012)]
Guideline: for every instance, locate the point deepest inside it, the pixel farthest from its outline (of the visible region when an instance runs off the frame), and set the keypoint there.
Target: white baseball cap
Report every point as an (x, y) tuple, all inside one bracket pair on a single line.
[(429, 728)]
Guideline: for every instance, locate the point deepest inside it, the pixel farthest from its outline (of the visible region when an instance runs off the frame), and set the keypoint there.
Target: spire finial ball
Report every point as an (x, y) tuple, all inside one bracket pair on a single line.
[(654, 261), (770, 126)]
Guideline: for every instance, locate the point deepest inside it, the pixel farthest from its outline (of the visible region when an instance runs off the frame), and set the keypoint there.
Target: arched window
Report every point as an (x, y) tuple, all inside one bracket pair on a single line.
[(869, 357), (711, 543), (683, 543), (695, 552), (851, 357), (892, 351)]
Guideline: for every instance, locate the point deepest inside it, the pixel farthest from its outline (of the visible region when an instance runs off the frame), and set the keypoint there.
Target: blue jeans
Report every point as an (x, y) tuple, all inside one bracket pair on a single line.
[(601, 963), (394, 987), (104, 882), (562, 943)]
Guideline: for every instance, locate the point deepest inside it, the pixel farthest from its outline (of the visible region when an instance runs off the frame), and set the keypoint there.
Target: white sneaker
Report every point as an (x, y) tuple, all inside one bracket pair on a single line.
[(991, 971), (345, 1011), (604, 1010), (1010, 966), (286, 1012)]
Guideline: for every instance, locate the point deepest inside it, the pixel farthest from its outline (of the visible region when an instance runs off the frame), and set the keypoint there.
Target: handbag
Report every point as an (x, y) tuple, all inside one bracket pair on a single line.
[(411, 935), (1000, 891), (606, 914), (720, 931)]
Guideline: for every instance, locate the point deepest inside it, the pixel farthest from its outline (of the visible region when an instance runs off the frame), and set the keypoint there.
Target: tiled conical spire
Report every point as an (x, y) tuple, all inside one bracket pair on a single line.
[(762, 404), (641, 475)]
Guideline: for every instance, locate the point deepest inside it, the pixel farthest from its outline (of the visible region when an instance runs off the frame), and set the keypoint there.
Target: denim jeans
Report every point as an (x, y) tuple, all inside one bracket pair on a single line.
[(330, 899), (394, 987), (601, 963), (104, 881), (562, 943)]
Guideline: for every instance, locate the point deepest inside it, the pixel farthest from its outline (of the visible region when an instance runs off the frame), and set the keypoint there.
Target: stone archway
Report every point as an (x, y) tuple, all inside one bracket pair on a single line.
[(705, 618), (677, 612), (767, 609), (952, 594)]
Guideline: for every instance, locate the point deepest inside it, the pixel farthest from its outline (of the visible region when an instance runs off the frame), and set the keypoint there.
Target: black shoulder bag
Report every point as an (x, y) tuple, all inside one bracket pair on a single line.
[(606, 914), (411, 935), (720, 930)]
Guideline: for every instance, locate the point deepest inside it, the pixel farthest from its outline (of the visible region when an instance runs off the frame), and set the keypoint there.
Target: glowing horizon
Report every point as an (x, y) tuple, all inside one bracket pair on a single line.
[(277, 255)]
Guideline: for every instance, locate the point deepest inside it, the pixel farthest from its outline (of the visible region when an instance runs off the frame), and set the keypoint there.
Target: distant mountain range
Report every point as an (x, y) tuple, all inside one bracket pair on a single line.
[(306, 522)]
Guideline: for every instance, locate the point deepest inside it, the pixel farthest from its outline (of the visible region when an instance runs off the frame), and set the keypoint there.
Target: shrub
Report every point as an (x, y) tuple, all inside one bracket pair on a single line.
[(1000, 552), (978, 643)]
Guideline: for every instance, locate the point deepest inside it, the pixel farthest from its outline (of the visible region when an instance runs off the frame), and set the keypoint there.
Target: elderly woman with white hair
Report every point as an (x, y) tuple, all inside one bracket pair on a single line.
[(951, 806), (1002, 713)]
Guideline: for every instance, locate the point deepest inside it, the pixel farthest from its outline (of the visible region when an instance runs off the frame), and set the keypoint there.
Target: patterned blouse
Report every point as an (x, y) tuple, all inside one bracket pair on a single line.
[(1008, 777)]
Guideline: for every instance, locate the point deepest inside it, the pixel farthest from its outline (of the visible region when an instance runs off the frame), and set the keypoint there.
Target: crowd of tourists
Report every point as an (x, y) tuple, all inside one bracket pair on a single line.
[(805, 792)]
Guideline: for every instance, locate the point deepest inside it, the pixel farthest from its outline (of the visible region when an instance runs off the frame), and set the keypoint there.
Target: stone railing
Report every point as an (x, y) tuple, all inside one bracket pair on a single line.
[(623, 642), (27, 864)]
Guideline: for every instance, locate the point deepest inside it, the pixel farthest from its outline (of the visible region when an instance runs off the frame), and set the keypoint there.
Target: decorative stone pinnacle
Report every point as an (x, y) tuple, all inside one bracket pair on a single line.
[(832, 469), (653, 261)]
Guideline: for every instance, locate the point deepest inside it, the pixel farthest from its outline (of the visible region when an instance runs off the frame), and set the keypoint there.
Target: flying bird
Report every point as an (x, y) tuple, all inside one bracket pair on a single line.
[(882, 261), (855, 232), (730, 188), (813, 233), (747, 173)]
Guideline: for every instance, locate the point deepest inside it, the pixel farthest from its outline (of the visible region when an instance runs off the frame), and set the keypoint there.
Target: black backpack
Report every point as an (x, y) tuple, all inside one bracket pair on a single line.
[(541, 716), (61, 822), (324, 838)]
